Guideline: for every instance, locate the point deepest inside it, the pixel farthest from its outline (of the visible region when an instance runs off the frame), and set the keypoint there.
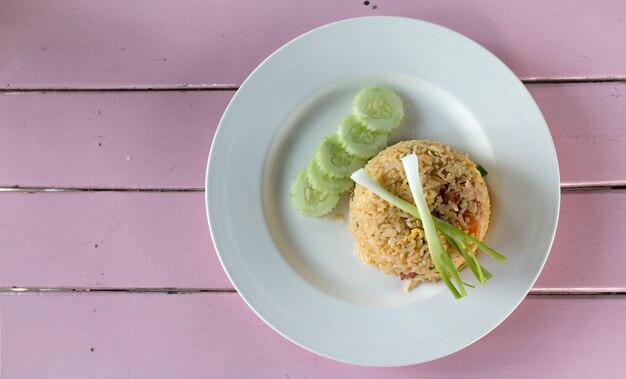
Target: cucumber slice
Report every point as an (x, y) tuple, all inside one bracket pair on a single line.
[(334, 160), (309, 200), (380, 109), (322, 181), (358, 139)]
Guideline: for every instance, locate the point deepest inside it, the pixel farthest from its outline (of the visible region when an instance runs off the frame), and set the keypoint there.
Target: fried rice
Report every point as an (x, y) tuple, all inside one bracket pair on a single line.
[(392, 240)]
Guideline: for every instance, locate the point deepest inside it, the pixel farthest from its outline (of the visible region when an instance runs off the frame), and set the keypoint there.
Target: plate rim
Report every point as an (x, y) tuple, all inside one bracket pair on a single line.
[(220, 130)]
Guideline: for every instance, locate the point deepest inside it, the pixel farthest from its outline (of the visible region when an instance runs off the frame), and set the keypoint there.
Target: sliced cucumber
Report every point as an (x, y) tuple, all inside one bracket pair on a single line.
[(380, 109), (376, 111), (324, 182), (309, 200), (358, 139), (334, 160)]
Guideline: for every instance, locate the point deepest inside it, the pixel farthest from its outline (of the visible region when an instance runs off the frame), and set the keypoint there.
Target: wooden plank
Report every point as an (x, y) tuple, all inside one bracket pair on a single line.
[(588, 125), (113, 239), (197, 336), (588, 251), (131, 239), (121, 139), (162, 139), (114, 44)]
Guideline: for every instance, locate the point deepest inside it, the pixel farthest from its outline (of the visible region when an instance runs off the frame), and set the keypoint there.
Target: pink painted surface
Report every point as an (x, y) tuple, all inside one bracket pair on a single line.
[(217, 336), (162, 139), (95, 44), (107, 139), (162, 240), (107, 239), (588, 125), (588, 251)]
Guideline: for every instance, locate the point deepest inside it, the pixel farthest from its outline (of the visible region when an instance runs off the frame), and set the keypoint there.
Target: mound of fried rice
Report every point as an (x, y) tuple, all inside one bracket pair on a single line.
[(392, 240)]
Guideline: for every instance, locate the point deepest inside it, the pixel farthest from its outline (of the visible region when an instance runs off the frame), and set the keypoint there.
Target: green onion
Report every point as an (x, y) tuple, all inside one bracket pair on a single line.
[(469, 257), (458, 239), (438, 254), (487, 274), (482, 170)]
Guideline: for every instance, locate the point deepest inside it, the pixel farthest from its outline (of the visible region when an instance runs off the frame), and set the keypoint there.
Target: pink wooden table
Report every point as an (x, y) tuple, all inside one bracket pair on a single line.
[(107, 110)]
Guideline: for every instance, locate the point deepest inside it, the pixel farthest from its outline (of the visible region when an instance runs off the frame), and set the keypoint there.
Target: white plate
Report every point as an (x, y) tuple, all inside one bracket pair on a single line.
[(300, 275)]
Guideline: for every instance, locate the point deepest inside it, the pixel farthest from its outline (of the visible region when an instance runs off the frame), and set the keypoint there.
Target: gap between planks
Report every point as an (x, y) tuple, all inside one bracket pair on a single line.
[(161, 290), (564, 188), (95, 189), (190, 291), (234, 87)]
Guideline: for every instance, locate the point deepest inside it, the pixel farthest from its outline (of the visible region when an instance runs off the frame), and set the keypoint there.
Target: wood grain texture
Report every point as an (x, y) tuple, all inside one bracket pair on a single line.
[(131, 239), (588, 126), (216, 335), (589, 247), (101, 139), (162, 139), (92, 44), (113, 239)]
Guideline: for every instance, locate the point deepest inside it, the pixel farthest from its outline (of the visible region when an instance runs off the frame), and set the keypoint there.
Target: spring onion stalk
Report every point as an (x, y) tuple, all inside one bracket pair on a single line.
[(448, 229), (469, 257), (461, 239), (482, 170), (439, 256), (361, 177), (487, 274)]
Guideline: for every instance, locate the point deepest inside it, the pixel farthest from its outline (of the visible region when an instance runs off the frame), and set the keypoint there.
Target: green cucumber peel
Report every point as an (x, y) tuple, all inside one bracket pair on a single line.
[(379, 108), (311, 201), (358, 139)]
